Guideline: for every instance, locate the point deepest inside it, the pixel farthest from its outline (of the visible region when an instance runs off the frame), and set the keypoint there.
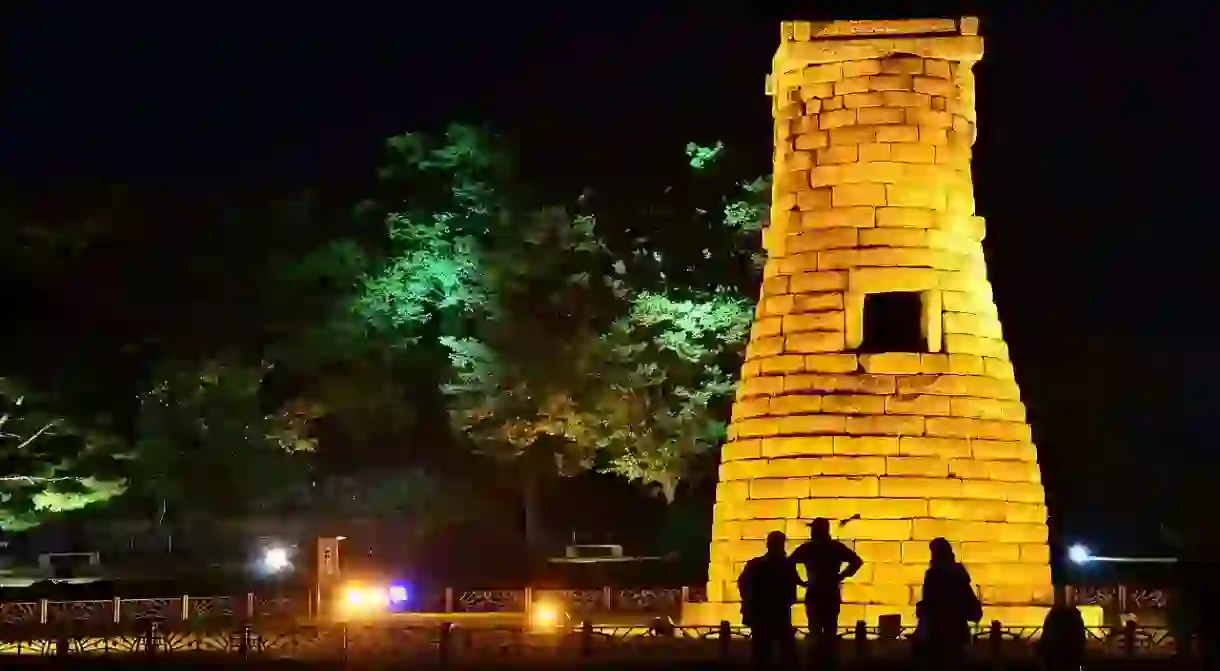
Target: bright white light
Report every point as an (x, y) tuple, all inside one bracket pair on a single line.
[(1079, 554), (275, 560), (398, 594)]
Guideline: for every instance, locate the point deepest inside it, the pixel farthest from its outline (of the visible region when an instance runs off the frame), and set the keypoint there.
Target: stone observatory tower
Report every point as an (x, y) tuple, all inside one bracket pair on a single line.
[(877, 382)]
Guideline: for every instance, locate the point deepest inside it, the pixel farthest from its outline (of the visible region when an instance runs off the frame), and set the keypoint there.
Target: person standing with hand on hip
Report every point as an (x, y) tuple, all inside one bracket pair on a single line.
[(827, 564)]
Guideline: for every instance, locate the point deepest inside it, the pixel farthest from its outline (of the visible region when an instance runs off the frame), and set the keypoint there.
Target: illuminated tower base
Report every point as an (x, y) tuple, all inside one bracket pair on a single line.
[(876, 380)]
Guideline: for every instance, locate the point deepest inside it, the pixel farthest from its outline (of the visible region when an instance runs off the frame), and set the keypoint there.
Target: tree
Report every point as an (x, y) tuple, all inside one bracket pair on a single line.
[(667, 378), (60, 445), (331, 365), (50, 463), (440, 200), (421, 284), (620, 365), (206, 446), (521, 375), (520, 371), (668, 362), (560, 355), (481, 289)]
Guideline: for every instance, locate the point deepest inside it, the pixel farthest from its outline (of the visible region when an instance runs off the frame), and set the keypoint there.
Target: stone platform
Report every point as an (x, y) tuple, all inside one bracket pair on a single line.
[(710, 614)]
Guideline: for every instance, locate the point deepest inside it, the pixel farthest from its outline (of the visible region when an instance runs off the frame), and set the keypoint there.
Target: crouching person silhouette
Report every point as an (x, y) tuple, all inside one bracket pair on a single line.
[(1063, 639), (768, 591), (946, 610)]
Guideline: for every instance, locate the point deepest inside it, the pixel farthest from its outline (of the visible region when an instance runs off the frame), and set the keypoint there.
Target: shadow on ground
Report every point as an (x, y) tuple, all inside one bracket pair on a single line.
[(286, 665)]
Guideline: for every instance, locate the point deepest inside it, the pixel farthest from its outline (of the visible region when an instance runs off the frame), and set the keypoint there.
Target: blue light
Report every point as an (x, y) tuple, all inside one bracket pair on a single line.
[(398, 594)]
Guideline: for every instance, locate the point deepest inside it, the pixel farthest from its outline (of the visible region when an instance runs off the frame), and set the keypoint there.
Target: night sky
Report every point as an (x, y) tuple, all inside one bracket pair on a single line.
[(1094, 165)]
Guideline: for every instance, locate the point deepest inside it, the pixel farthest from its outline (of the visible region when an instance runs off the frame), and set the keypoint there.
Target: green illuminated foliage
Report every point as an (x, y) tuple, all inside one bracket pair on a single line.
[(597, 336), (702, 157), (667, 362), (559, 348), (49, 463), (440, 207), (667, 375), (434, 271), (521, 372), (505, 295), (494, 288)]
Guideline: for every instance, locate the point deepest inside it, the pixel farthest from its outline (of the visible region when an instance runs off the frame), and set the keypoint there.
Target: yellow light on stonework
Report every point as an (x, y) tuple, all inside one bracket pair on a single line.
[(546, 615)]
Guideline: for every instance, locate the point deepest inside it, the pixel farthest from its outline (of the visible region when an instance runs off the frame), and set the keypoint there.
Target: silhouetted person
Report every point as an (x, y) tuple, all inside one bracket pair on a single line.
[(1063, 639), (768, 591), (947, 607), (824, 559)]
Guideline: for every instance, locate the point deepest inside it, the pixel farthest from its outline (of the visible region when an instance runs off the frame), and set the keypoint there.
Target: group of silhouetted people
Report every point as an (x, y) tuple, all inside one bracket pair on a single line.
[(947, 607), (768, 587)]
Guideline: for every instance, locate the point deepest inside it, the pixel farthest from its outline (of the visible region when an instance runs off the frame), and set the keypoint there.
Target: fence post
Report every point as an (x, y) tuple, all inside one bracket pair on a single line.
[(186, 608), (1129, 638), (243, 646), (861, 638), (444, 641), (607, 598), (118, 609), (1181, 643), (1122, 599), (726, 639), (249, 606), (529, 600), (42, 611), (448, 599), (685, 595), (996, 640), (586, 639), (150, 638), (62, 642)]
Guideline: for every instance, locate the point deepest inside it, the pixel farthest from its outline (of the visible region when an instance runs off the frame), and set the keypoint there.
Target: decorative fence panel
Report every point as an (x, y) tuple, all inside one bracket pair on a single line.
[(661, 601), (448, 643)]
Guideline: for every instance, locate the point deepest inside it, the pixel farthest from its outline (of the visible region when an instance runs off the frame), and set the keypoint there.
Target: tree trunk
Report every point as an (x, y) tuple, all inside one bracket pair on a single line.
[(166, 531), (531, 503)]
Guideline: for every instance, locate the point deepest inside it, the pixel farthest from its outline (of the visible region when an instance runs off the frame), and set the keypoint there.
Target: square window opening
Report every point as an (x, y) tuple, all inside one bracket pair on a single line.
[(893, 322)]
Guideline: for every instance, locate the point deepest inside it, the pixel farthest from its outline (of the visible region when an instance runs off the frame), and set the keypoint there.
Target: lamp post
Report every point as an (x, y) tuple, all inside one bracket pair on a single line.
[(1079, 554), (326, 575)]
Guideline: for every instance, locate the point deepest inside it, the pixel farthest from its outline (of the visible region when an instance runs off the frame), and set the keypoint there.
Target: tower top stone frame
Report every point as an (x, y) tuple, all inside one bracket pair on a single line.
[(877, 382)]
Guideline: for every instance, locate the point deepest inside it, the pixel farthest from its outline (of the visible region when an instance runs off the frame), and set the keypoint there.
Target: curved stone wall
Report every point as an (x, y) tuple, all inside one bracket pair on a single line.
[(874, 123)]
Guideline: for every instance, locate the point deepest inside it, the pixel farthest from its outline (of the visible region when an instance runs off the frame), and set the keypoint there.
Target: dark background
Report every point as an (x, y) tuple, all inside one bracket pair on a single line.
[(1094, 166)]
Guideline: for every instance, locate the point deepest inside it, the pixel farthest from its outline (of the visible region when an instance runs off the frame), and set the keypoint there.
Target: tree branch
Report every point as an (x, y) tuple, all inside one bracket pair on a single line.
[(37, 433)]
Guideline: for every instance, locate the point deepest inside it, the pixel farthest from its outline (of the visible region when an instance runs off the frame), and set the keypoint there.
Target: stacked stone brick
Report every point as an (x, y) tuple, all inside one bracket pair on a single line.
[(872, 193)]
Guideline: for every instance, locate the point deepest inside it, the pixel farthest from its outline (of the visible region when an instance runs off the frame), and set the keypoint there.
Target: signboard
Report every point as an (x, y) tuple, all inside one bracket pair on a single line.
[(328, 559)]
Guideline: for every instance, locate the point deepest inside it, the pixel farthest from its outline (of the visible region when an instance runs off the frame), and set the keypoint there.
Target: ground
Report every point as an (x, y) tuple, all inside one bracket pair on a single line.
[(120, 665)]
